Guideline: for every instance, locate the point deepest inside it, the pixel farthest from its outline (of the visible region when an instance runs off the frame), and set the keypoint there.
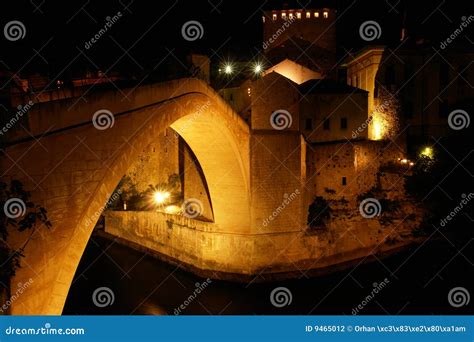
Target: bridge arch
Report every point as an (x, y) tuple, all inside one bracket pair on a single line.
[(74, 168)]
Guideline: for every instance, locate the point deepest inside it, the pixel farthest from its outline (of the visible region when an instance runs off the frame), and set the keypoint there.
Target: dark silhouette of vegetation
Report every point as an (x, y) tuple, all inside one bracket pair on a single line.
[(318, 213), (19, 213), (143, 200)]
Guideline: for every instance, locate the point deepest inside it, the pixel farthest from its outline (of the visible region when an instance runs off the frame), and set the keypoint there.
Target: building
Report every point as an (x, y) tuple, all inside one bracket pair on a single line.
[(428, 86), (316, 25)]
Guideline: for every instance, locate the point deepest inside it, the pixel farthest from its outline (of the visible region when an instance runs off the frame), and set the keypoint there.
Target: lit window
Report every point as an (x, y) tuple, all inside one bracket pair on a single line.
[(290, 16), (298, 15), (316, 14), (263, 18), (283, 15), (274, 16), (308, 15), (325, 15)]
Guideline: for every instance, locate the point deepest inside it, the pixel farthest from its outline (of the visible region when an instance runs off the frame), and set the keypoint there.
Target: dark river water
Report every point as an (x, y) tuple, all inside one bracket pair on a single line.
[(419, 280)]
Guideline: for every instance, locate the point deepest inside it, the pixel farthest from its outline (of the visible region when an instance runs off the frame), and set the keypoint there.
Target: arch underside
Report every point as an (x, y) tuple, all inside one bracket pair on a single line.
[(74, 173)]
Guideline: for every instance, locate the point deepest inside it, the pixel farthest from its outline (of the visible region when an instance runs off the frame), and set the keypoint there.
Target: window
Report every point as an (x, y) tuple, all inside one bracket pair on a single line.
[(326, 124), (344, 181), (298, 15), (343, 123), (290, 16), (274, 16), (263, 19), (283, 15), (308, 15), (316, 14), (325, 15), (309, 124)]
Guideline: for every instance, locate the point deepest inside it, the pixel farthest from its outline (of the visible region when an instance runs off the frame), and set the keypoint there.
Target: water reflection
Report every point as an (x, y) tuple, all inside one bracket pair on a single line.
[(145, 286)]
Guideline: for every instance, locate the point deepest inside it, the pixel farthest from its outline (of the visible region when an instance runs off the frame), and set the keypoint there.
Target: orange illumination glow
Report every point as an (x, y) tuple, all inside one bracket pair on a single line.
[(160, 196), (377, 129)]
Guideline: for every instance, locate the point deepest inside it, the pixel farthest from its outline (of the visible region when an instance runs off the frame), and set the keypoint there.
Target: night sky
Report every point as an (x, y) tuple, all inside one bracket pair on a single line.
[(150, 31)]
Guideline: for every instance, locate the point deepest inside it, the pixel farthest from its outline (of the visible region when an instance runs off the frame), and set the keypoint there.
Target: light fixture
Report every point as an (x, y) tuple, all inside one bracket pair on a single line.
[(427, 152), (257, 69), (172, 209), (160, 196), (228, 69)]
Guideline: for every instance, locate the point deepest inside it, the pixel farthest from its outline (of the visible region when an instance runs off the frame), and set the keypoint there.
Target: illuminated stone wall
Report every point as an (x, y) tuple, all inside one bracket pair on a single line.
[(156, 162), (271, 93), (359, 162), (334, 107), (196, 247), (362, 70), (84, 165)]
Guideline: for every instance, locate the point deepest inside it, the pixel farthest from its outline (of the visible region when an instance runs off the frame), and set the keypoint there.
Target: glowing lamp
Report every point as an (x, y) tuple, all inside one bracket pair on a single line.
[(160, 196), (228, 69), (427, 152)]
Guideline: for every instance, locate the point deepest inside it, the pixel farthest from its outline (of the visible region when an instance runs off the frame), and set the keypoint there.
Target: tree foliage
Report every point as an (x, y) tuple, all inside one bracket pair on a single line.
[(28, 216)]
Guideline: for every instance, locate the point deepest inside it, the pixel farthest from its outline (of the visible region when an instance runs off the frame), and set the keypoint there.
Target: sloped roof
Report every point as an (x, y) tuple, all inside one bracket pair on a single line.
[(303, 52)]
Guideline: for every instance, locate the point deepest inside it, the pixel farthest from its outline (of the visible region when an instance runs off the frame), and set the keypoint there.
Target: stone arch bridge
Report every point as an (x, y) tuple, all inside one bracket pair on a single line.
[(72, 168)]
